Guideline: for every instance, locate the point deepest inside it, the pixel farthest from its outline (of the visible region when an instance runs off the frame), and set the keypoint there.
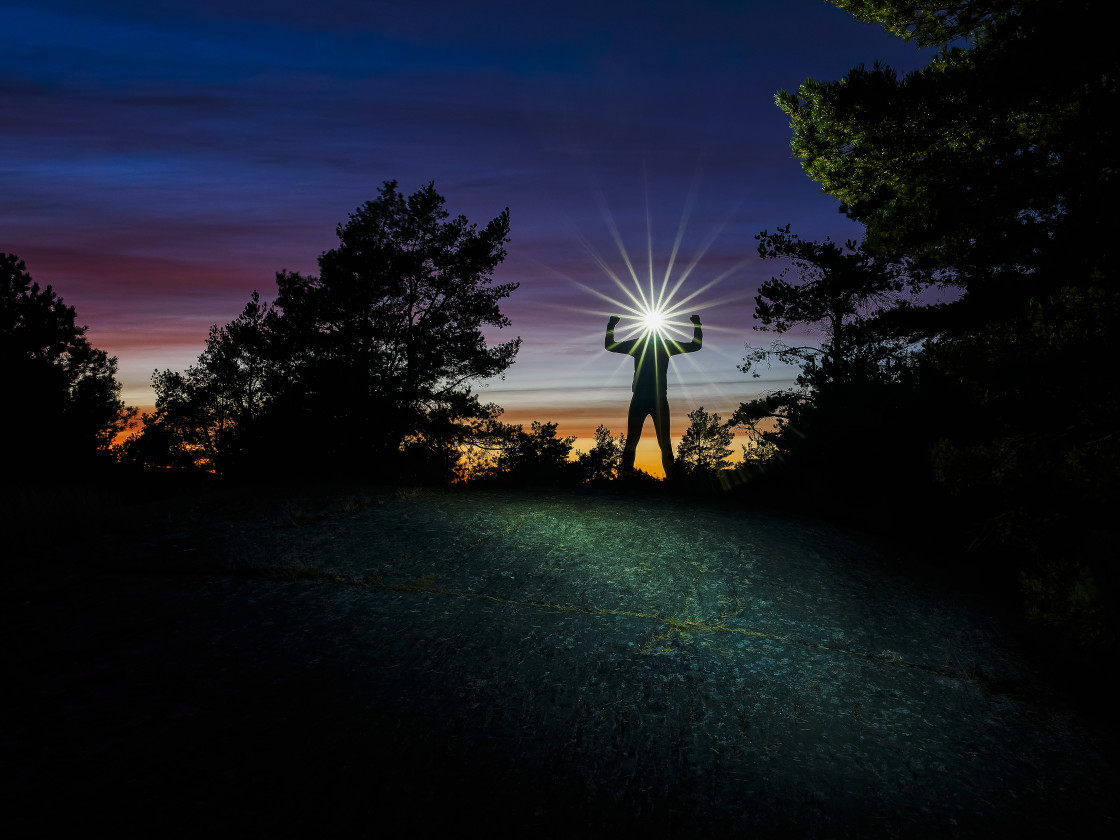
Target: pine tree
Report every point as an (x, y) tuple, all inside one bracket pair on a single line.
[(706, 445)]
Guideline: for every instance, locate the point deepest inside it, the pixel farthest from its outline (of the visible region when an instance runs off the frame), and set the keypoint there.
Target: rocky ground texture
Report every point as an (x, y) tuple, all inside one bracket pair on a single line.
[(567, 663)]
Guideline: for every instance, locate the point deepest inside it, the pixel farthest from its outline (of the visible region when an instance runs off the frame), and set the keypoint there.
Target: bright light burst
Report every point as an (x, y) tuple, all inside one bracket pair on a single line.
[(651, 300), (653, 320), (650, 316), (649, 304)]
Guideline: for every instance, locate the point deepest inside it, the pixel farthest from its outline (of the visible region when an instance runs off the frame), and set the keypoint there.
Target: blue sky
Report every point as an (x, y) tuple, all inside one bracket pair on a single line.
[(160, 160)]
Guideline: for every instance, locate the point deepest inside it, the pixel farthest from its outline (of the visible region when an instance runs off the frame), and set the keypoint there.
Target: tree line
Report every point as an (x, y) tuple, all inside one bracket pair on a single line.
[(65, 406), (366, 370)]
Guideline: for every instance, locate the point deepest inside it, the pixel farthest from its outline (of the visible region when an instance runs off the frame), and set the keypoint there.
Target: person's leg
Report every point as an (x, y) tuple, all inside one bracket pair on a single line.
[(634, 422), (661, 426)]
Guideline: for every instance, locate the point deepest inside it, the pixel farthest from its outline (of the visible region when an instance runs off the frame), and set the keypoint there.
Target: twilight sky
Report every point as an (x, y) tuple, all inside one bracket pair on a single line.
[(160, 160)]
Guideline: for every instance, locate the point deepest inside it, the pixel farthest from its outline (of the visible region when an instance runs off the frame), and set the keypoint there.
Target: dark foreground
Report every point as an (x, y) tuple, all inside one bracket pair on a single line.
[(567, 664)]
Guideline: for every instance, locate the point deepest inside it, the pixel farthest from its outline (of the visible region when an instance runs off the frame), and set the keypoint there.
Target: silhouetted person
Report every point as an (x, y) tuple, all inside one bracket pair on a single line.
[(651, 355)]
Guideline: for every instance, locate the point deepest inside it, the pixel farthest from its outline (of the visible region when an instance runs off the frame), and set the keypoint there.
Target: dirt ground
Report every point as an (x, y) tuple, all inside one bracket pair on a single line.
[(567, 663)]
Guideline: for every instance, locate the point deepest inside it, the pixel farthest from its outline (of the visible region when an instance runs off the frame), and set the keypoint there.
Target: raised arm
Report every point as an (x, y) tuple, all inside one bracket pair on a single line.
[(610, 344), (697, 337)]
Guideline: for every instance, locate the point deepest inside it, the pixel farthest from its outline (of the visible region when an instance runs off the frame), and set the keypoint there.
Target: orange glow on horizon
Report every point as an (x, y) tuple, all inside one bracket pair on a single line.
[(579, 423)]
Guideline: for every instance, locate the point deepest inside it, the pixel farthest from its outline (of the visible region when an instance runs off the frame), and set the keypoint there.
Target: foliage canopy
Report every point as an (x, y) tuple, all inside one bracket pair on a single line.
[(993, 167), (706, 444), (369, 364), (989, 173), (64, 395)]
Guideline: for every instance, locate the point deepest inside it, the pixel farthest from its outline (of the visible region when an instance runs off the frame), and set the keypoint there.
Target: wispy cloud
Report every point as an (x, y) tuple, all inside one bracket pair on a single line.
[(159, 161)]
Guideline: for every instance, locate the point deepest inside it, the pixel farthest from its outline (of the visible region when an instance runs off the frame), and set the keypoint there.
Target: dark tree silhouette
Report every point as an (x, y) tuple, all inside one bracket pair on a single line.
[(604, 460), (839, 293), (706, 444), (506, 453), (839, 303), (993, 163), (387, 341), (64, 403), (993, 172), (209, 415), (367, 368)]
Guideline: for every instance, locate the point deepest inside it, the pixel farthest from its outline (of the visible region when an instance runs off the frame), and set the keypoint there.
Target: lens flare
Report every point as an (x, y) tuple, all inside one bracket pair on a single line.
[(655, 303), (650, 301), (653, 320)]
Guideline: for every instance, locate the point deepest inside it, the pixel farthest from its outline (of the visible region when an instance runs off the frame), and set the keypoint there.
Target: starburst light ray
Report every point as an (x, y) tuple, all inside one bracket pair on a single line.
[(647, 306), (652, 299)]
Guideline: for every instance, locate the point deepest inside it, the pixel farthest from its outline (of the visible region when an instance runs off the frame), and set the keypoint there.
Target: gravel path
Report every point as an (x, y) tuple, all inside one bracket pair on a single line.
[(574, 664)]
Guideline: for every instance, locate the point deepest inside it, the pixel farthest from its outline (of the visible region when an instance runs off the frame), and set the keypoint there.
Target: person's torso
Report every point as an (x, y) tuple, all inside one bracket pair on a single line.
[(651, 366)]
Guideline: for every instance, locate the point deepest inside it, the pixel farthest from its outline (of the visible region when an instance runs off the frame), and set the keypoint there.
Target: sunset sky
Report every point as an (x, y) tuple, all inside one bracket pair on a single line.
[(161, 160)]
